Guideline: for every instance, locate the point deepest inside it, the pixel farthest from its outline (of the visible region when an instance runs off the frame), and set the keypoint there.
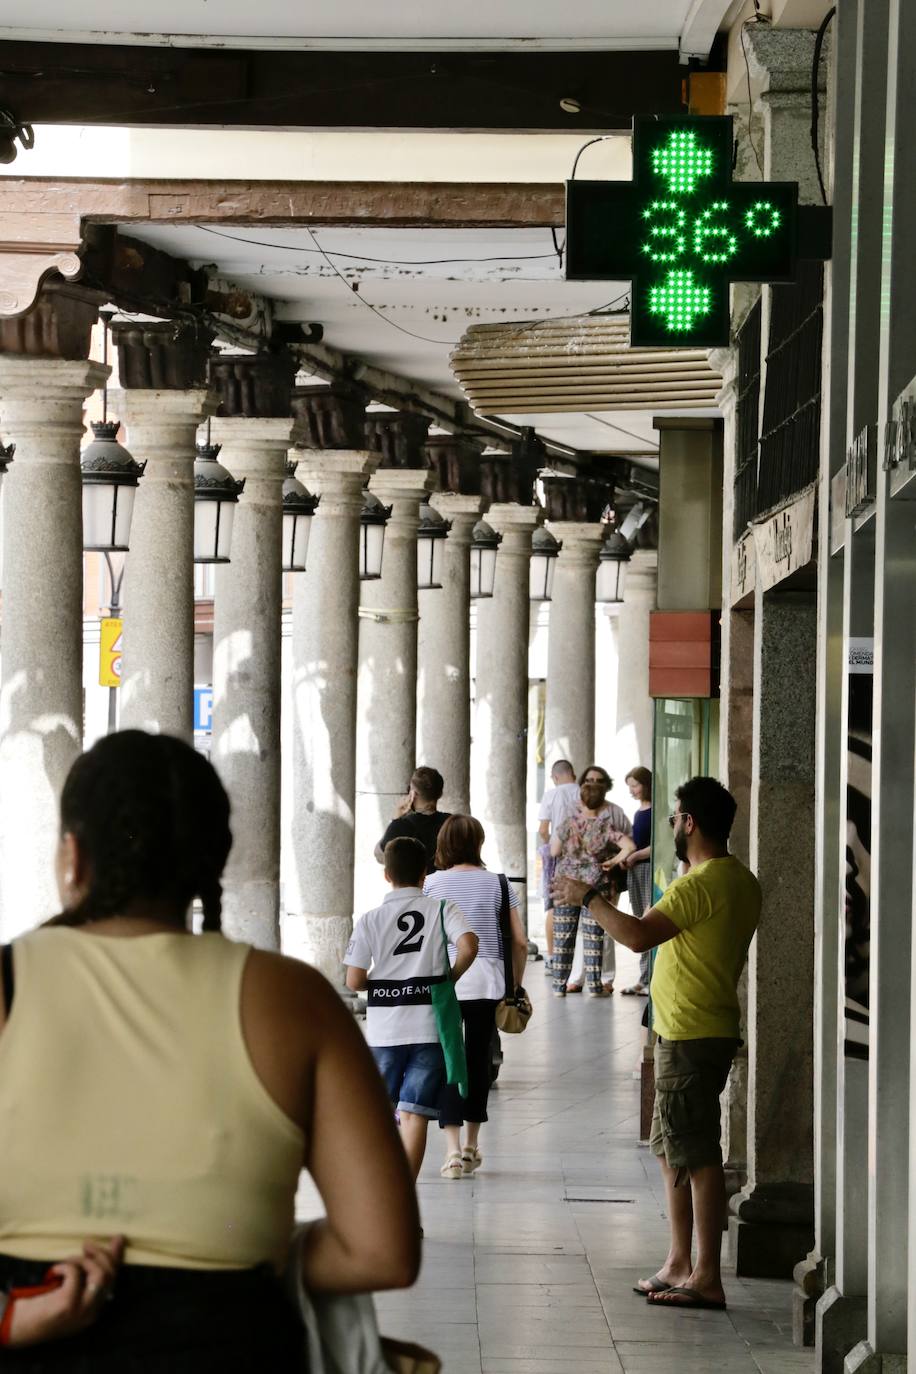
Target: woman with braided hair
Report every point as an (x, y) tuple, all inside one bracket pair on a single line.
[(160, 1093)]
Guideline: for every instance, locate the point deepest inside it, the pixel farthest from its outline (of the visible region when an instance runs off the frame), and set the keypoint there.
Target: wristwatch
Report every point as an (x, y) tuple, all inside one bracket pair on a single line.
[(591, 894)]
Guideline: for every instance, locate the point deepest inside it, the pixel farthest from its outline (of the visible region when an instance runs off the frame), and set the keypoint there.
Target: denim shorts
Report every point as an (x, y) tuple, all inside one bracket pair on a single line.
[(414, 1076)]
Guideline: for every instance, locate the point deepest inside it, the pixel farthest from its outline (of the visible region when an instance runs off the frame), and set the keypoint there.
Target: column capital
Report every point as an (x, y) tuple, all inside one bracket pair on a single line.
[(463, 511), (336, 475), (577, 533), (45, 395), (516, 524), (254, 447), (401, 484), (164, 410), (60, 378), (642, 574)]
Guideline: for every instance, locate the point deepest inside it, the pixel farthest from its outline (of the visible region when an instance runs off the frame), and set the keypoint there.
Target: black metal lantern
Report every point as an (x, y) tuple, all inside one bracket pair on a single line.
[(612, 569), (372, 520), (110, 476), (299, 506), (484, 544), (431, 536), (216, 495), (545, 550), (6, 457)]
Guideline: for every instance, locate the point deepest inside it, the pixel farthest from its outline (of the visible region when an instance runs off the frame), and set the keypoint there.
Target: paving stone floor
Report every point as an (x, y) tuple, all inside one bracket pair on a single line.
[(528, 1266)]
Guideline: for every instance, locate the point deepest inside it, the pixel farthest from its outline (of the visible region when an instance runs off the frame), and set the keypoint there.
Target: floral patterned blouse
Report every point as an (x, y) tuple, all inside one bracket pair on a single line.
[(585, 838)]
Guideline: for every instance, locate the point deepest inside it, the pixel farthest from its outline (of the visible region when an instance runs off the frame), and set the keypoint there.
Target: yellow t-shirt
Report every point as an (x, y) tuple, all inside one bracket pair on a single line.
[(716, 907)]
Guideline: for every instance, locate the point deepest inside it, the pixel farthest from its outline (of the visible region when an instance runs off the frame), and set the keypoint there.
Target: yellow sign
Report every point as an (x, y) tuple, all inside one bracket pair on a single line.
[(110, 650)]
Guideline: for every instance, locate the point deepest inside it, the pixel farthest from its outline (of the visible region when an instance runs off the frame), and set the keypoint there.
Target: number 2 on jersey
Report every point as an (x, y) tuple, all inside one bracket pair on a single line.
[(411, 922)]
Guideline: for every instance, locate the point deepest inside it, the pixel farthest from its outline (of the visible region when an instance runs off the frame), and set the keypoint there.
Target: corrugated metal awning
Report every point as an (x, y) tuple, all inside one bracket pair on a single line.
[(581, 363)]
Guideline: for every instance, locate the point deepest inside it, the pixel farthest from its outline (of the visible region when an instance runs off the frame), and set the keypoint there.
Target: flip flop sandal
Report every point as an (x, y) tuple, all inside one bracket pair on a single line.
[(453, 1166), (573, 987), (653, 1285), (693, 1300), (637, 990)]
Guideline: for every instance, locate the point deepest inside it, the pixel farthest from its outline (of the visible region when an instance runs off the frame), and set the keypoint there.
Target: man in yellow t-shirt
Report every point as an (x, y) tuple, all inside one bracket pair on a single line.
[(703, 924)]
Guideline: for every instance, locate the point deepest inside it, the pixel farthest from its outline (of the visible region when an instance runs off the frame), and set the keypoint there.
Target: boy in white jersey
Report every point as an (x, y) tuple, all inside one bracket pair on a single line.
[(396, 951)]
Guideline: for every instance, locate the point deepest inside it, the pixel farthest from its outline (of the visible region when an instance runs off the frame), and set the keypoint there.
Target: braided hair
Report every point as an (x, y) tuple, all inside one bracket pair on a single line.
[(152, 818)]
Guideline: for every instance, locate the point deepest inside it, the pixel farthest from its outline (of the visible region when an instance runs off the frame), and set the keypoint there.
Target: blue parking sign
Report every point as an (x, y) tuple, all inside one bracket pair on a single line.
[(203, 710)]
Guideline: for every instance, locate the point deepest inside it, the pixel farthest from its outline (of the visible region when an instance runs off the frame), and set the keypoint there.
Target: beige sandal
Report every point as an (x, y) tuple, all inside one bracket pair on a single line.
[(471, 1159), (453, 1166)]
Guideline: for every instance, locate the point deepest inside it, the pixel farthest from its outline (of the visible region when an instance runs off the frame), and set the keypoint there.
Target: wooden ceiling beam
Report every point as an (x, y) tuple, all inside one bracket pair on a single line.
[(367, 204), (65, 83)]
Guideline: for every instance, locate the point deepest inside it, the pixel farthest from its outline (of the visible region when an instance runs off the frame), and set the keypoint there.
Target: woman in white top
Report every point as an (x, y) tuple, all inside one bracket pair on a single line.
[(463, 878)]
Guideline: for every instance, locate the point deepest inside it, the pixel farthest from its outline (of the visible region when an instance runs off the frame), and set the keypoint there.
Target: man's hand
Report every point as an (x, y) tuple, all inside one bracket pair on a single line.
[(568, 891), (404, 805), (86, 1284)]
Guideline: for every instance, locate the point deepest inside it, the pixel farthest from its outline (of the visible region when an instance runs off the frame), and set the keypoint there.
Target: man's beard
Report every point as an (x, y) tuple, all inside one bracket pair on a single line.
[(680, 845)]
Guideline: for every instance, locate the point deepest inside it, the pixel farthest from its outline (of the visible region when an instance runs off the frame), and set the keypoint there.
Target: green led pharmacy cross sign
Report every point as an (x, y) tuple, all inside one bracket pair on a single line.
[(681, 231)]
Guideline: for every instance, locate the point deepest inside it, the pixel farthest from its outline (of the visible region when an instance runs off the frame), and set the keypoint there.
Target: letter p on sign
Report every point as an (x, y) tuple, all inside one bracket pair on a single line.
[(110, 650)]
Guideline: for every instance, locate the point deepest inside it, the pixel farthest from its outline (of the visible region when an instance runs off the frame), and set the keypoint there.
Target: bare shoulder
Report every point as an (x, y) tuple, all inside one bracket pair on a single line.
[(289, 990)]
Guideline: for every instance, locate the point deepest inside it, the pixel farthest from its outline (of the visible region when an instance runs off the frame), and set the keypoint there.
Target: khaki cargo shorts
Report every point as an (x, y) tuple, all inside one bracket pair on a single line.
[(689, 1078)]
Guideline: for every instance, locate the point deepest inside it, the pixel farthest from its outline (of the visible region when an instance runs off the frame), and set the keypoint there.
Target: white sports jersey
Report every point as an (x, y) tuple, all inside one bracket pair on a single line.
[(401, 945)]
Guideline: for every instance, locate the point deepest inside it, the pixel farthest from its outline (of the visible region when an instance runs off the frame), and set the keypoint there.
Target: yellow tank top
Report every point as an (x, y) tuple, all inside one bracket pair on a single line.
[(129, 1105)]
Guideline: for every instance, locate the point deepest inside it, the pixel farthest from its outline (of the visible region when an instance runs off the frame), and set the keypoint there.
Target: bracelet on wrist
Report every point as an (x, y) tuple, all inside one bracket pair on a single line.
[(591, 894)]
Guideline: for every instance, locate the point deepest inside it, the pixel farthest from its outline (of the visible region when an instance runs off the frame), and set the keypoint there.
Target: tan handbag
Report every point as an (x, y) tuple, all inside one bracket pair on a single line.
[(514, 1011)]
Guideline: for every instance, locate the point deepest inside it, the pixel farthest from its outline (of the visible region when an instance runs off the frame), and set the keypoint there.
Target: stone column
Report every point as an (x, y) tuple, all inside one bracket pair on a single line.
[(772, 1227), (246, 675), (41, 702), (498, 748), (157, 681), (325, 656), (387, 699), (444, 658), (570, 723), (635, 708)]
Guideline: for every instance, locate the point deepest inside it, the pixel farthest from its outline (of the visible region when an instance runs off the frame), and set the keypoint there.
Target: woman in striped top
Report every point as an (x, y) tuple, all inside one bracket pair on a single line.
[(463, 879)]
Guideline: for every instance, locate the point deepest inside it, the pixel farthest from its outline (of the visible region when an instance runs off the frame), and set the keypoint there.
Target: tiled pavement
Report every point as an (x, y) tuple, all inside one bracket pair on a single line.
[(528, 1266)]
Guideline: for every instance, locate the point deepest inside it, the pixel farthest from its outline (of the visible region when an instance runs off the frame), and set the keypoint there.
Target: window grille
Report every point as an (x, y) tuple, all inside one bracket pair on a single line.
[(790, 435), (747, 420)]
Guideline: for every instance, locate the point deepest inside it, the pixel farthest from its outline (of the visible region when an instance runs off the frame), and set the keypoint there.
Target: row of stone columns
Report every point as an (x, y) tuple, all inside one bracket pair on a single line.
[(358, 649)]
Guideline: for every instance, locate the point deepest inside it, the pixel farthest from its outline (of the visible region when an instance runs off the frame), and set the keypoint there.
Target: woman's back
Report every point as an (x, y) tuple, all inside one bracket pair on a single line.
[(129, 1103)]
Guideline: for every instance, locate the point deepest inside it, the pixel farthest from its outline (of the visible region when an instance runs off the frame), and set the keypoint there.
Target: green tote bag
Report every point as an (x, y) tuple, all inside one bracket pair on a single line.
[(449, 1025)]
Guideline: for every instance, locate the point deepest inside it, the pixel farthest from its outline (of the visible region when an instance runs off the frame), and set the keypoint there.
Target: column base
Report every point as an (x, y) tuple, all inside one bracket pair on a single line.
[(863, 1360), (318, 939), (770, 1230), (839, 1324), (810, 1282)]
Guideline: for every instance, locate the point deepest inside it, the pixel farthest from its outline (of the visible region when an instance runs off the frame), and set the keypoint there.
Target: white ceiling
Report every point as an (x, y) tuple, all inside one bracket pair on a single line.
[(430, 282), (362, 24)]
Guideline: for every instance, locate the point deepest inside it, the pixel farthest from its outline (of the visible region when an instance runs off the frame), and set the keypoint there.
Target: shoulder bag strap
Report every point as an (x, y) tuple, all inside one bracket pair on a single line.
[(448, 967), (505, 930), (6, 976)]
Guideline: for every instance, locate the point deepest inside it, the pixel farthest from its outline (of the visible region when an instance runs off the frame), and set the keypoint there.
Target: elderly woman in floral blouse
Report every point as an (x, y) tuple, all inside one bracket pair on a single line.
[(599, 833)]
